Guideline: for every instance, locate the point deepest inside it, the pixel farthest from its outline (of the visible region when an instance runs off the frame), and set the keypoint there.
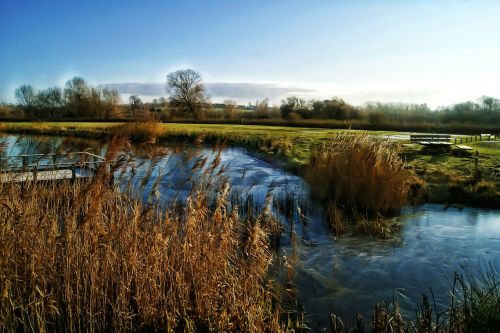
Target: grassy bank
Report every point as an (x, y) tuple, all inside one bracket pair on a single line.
[(97, 258), (391, 126), (449, 179)]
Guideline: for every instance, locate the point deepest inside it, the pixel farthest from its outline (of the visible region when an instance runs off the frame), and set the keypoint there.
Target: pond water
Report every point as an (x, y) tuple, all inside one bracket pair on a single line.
[(344, 275)]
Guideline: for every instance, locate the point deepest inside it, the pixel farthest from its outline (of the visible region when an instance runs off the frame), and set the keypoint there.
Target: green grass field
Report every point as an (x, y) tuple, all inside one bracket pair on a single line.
[(300, 137), (292, 146)]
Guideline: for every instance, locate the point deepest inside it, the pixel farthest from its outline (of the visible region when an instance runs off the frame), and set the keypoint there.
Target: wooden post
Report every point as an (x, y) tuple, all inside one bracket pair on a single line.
[(73, 171)]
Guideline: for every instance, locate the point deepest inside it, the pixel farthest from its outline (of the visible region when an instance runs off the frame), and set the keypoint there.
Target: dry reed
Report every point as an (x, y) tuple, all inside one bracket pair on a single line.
[(86, 256), (358, 176), (147, 131)]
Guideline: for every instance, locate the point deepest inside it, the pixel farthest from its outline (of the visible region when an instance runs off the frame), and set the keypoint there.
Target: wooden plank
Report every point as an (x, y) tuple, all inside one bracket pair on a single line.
[(435, 143), (37, 167), (464, 147), (427, 139), (18, 177)]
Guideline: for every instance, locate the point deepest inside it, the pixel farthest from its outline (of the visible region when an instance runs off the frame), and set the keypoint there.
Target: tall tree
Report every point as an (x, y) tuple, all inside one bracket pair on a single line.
[(77, 94), (186, 90), (27, 98), (135, 104), (51, 101), (110, 101)]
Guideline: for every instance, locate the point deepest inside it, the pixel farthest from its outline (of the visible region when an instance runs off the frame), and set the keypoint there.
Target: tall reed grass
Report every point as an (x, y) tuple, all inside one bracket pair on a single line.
[(87, 256), (146, 131), (357, 176)]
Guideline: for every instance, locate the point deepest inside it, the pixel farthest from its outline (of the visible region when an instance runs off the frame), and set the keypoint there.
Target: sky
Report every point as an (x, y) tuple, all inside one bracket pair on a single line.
[(414, 51)]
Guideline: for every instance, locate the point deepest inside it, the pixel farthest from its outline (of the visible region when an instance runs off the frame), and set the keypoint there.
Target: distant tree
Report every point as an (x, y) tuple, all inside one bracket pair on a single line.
[(27, 98), (51, 102), (262, 109), (186, 90), (376, 118), (336, 108), (77, 95), (292, 104), (230, 107), (135, 104), (110, 99), (490, 104)]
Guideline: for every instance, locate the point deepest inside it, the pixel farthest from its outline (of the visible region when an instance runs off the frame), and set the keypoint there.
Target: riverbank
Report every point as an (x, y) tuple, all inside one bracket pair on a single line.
[(446, 179), (323, 274)]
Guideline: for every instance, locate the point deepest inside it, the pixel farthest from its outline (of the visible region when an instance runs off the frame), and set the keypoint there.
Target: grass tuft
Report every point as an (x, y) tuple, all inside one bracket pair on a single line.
[(357, 176), (148, 131)]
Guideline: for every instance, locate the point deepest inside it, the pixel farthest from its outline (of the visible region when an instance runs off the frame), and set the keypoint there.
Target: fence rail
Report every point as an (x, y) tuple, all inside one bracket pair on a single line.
[(52, 166)]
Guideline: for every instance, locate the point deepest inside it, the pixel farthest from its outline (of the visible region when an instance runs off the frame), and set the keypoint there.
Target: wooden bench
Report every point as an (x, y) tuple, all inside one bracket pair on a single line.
[(486, 137), (430, 138)]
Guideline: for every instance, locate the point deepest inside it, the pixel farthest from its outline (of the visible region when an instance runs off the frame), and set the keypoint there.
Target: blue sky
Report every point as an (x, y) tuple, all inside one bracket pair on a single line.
[(435, 52)]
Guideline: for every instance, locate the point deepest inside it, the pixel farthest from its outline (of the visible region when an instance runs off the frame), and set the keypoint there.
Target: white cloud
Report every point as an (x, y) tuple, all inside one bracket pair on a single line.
[(243, 92), (432, 93)]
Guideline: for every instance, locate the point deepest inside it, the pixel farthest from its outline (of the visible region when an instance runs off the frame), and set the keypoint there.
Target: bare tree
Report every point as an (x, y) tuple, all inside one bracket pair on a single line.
[(262, 108), (110, 101), (186, 90), (27, 98), (230, 107), (135, 104), (77, 95), (51, 101)]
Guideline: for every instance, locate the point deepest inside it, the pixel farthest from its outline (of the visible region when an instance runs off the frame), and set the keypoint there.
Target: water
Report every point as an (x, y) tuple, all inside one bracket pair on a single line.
[(344, 275)]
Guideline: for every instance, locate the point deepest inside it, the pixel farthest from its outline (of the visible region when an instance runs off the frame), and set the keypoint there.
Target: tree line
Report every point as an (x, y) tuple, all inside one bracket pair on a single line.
[(187, 100), (76, 99)]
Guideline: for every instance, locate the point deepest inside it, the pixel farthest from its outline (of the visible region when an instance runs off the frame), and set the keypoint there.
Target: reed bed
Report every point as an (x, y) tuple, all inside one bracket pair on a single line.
[(89, 256), (357, 176), (146, 131)]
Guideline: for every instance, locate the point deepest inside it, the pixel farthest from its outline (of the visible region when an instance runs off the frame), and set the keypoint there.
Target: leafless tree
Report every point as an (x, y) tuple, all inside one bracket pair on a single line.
[(110, 100), (51, 101), (27, 98), (230, 107), (135, 104), (77, 95), (262, 108), (186, 90)]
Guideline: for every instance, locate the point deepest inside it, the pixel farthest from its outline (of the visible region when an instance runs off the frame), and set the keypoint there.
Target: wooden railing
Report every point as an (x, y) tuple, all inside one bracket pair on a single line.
[(31, 165)]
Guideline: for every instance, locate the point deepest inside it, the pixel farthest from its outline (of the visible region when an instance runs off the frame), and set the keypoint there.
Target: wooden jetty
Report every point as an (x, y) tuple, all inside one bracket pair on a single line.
[(49, 167)]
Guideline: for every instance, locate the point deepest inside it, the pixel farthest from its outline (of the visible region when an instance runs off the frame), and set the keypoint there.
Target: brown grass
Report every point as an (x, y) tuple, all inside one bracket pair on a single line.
[(362, 177), (148, 131), (96, 258)]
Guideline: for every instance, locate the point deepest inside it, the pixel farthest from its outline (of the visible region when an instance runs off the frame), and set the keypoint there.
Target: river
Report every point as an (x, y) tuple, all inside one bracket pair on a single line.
[(343, 275)]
